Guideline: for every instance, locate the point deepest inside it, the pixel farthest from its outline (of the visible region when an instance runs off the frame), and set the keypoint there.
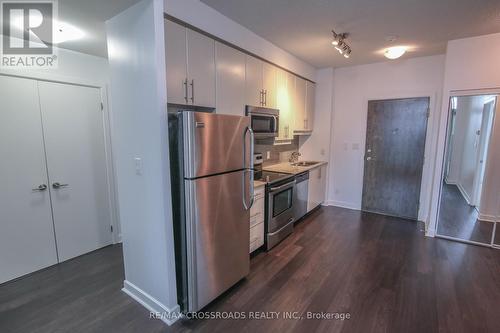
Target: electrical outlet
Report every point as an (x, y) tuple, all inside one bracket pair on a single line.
[(322, 152), (268, 155)]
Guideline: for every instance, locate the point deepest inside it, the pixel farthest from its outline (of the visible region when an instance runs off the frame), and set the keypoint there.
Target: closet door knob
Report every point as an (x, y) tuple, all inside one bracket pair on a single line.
[(40, 188), (59, 185)]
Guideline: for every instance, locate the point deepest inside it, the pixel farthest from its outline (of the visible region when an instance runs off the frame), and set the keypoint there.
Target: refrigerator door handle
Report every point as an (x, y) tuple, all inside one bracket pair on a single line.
[(252, 151), (249, 170)]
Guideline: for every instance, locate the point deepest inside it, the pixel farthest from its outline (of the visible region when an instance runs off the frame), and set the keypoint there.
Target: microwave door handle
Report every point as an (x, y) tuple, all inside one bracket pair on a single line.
[(275, 123)]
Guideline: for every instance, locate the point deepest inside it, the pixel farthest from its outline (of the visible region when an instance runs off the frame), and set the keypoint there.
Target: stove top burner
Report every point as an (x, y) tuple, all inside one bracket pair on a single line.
[(273, 177)]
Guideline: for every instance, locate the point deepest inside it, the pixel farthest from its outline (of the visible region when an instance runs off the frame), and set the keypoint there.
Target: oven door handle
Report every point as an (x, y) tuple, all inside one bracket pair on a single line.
[(290, 221), (287, 185)]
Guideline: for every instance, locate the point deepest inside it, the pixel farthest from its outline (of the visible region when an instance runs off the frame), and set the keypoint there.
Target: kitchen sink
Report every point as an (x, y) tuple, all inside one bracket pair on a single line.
[(305, 163)]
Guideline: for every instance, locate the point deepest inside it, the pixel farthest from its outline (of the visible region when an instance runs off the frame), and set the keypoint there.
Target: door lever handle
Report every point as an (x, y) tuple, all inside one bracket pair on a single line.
[(59, 185), (40, 188)]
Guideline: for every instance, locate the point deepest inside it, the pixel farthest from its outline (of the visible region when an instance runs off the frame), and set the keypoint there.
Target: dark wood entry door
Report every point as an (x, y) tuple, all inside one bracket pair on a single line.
[(394, 156)]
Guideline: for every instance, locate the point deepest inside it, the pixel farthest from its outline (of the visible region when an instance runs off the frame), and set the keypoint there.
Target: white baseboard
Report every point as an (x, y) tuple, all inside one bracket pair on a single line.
[(487, 218), (429, 232), (450, 182), (464, 193), (342, 204), (151, 303)]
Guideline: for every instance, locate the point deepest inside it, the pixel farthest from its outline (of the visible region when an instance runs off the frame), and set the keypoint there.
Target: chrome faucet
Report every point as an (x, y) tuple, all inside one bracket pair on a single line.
[(294, 158)]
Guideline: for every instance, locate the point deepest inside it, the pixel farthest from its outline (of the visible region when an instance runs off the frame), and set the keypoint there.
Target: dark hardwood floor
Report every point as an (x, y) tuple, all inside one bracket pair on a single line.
[(381, 270), (458, 219)]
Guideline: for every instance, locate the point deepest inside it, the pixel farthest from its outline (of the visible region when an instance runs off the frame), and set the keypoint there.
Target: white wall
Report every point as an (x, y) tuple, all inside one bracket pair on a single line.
[(138, 95), (353, 87), (73, 67), (471, 64), (208, 19)]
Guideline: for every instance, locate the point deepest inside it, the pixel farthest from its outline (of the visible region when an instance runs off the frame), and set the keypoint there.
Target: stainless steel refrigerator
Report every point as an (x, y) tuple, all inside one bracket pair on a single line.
[(212, 192)]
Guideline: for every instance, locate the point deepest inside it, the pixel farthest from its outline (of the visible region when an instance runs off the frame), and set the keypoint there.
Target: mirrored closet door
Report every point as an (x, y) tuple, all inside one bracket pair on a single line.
[(469, 202)]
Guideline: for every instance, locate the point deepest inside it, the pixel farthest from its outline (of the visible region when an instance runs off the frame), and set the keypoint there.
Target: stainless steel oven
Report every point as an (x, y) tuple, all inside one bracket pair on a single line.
[(280, 212), (264, 121)]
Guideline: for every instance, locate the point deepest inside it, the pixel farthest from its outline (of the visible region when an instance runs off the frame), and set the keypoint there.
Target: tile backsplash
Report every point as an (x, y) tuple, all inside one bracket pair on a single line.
[(277, 152)]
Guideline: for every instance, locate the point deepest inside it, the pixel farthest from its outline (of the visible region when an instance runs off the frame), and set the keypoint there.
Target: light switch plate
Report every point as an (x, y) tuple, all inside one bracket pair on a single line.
[(138, 165)]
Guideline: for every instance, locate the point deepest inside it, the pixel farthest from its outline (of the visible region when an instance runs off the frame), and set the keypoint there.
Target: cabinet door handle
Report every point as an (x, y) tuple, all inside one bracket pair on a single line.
[(265, 97), (186, 90), (261, 97), (57, 185), (40, 188), (192, 91)]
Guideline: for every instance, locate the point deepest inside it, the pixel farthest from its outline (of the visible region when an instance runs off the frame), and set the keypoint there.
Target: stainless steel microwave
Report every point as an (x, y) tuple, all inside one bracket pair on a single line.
[(264, 121)]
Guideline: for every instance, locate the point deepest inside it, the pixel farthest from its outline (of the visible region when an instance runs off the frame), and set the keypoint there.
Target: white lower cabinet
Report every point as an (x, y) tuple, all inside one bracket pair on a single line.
[(317, 187), (257, 220)]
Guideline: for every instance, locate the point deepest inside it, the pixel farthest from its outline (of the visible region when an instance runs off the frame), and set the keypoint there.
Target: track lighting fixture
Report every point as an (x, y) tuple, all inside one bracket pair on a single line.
[(340, 44)]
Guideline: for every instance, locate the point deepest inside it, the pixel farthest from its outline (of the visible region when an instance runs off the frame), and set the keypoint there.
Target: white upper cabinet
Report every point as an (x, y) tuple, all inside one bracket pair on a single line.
[(310, 98), (285, 103), (299, 107), (190, 63), (176, 62), (253, 85), (260, 83), (269, 78), (230, 69), (200, 69), (203, 72)]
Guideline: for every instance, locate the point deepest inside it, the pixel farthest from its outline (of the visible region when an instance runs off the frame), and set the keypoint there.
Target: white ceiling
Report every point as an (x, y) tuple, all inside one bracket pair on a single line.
[(302, 27), (89, 16)]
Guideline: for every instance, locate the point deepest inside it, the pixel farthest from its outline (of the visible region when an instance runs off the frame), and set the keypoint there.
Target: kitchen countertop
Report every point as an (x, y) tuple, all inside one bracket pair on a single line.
[(258, 183), (286, 167)]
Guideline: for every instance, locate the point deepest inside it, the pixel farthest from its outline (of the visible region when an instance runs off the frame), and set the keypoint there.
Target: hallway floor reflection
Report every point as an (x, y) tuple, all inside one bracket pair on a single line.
[(459, 220)]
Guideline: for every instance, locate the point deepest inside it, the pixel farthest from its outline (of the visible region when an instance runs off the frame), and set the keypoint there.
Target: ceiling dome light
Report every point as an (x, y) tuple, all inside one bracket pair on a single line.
[(394, 52)]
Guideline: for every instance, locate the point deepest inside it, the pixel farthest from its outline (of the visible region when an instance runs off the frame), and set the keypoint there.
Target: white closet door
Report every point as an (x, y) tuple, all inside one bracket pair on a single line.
[(26, 231), (74, 142)]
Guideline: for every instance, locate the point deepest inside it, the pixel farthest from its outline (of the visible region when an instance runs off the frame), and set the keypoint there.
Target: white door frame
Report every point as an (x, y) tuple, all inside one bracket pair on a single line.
[(441, 150), (483, 145), (110, 169)]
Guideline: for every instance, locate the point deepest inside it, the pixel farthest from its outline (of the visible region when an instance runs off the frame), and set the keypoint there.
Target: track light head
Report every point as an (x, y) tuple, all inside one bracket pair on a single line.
[(340, 45)]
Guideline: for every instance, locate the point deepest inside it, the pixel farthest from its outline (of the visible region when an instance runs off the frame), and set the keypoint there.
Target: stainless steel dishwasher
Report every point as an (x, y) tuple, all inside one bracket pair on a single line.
[(300, 195)]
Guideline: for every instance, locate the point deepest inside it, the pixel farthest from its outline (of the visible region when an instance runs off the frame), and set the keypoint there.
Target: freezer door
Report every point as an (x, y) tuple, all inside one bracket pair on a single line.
[(215, 143), (218, 236)]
